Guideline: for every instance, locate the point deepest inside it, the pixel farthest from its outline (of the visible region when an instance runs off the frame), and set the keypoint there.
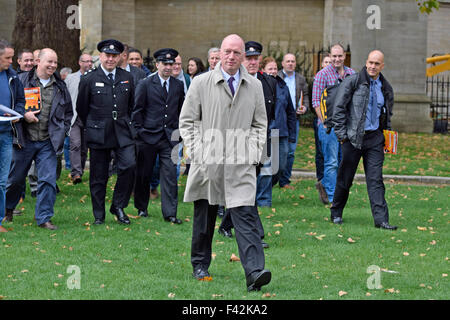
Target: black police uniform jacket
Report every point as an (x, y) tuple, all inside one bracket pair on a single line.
[(154, 116), (105, 108), (269, 85)]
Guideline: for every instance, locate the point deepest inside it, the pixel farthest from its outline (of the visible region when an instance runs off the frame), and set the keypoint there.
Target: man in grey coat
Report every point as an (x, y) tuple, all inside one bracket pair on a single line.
[(223, 124)]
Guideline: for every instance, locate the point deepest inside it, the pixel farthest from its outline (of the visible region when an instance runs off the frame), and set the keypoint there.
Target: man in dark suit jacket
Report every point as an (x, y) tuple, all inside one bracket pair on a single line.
[(137, 73), (104, 104), (158, 103)]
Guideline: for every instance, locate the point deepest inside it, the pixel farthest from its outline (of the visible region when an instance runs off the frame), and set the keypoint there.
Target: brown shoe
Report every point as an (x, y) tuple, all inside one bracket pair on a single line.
[(322, 193), (3, 229), (154, 194), (9, 215), (48, 225), (288, 186), (76, 179)]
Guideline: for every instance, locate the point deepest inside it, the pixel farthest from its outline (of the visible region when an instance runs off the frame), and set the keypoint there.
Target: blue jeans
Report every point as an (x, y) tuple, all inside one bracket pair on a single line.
[(5, 163), (44, 155), (67, 152), (154, 181), (283, 150), (286, 175), (264, 188), (330, 150)]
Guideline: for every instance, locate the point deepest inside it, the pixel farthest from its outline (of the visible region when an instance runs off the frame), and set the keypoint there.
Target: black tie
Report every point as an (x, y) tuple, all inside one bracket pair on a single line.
[(111, 77), (165, 89)]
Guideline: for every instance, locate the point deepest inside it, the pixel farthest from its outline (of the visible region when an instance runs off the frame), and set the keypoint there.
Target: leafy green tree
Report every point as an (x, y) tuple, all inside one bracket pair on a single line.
[(427, 6)]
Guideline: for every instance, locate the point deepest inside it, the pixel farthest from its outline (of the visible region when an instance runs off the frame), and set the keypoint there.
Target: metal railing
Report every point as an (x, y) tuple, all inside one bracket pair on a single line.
[(438, 90)]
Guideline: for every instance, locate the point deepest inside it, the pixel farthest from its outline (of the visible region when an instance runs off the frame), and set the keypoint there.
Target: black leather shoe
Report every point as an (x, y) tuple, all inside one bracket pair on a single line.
[(265, 245), (99, 221), (225, 233), (336, 220), (201, 274), (143, 213), (9, 215), (258, 279), (173, 220), (386, 225), (120, 214)]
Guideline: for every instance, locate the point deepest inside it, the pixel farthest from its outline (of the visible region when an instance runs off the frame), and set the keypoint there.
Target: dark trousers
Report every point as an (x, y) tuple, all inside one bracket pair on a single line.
[(146, 157), (227, 222), (248, 239), (44, 155), (98, 177), (78, 149), (372, 152)]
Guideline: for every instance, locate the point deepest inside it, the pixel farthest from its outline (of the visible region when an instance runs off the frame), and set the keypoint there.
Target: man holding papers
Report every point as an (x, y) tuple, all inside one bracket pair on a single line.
[(11, 97), (45, 130)]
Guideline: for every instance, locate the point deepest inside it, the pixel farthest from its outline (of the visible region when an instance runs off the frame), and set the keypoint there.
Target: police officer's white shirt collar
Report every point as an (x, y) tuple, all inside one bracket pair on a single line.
[(162, 81), (108, 72)]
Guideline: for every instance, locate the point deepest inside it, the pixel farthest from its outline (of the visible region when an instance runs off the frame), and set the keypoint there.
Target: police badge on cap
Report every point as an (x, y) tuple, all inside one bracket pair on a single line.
[(110, 46), (253, 48), (166, 55)]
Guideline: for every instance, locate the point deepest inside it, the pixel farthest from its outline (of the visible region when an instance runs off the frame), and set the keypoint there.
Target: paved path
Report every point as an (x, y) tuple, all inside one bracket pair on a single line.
[(388, 178)]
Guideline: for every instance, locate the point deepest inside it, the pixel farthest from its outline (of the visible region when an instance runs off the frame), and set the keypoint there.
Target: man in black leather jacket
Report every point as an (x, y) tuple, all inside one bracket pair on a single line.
[(363, 108)]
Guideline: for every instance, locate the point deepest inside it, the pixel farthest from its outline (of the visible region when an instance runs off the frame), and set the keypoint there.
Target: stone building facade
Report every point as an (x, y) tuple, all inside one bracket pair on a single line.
[(193, 26)]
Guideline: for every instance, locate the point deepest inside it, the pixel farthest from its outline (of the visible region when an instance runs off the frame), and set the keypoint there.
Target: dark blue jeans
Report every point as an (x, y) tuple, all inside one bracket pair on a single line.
[(5, 162), (286, 175), (44, 155), (283, 150)]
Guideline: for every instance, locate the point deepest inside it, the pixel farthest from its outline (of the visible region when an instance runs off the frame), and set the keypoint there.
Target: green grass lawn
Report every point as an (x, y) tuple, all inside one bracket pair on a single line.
[(310, 258), (418, 154)]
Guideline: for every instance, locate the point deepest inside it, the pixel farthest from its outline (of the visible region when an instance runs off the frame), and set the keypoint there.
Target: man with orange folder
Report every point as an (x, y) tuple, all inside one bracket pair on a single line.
[(362, 110)]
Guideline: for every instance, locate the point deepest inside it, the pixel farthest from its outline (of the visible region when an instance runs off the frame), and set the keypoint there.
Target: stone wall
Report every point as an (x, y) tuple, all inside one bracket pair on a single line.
[(337, 22), (7, 18), (192, 27)]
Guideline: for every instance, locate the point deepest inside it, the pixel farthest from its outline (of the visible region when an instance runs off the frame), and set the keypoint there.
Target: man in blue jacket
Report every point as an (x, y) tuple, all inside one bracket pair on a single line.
[(11, 96), (45, 131)]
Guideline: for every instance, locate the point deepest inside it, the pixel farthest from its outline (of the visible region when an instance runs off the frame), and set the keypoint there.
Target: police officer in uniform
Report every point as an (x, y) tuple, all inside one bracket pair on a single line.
[(158, 103), (104, 104)]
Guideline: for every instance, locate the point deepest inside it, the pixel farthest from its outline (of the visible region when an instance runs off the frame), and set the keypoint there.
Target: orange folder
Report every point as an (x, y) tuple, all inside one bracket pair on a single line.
[(390, 141)]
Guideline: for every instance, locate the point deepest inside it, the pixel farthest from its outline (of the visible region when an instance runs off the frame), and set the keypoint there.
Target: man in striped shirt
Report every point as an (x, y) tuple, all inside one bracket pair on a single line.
[(329, 143)]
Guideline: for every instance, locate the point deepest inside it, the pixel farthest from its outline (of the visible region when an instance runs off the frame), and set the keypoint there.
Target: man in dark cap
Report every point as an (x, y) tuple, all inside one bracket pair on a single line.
[(158, 103), (104, 104), (253, 51)]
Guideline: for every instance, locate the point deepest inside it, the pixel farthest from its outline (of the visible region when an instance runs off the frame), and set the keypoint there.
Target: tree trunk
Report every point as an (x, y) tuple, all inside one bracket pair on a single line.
[(44, 24)]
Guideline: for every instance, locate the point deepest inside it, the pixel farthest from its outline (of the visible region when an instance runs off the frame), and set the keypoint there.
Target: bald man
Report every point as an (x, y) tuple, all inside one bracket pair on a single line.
[(363, 109), (226, 101), (45, 130)]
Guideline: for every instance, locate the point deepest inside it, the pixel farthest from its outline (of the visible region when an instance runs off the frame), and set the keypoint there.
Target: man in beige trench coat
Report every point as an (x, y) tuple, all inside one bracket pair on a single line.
[(223, 124)]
